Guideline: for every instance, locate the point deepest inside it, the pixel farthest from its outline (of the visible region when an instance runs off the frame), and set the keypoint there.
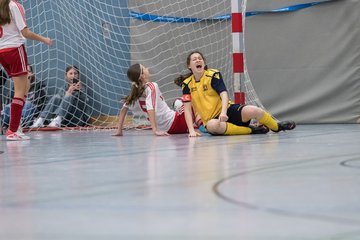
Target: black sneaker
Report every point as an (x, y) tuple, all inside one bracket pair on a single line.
[(259, 129), (286, 125)]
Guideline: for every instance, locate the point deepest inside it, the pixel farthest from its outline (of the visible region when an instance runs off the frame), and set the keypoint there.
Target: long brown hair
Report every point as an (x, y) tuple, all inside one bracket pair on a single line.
[(179, 80), (75, 80), (5, 15), (134, 74)]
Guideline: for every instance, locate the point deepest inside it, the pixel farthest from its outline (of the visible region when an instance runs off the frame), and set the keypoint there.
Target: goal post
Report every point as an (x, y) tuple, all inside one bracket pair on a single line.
[(237, 19), (103, 38)]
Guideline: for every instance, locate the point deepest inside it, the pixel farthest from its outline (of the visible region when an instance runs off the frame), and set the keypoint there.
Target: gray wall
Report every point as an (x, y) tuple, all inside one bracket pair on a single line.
[(305, 65)]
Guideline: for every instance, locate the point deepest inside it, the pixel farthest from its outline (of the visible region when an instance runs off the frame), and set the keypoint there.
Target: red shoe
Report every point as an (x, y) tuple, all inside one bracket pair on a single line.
[(16, 136)]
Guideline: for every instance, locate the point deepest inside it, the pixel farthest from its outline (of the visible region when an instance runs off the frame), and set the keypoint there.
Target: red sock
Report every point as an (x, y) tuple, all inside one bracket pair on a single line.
[(17, 105)]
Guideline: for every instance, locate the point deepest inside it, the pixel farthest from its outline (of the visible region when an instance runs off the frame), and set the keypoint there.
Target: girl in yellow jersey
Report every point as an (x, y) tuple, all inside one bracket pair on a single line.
[(205, 91)]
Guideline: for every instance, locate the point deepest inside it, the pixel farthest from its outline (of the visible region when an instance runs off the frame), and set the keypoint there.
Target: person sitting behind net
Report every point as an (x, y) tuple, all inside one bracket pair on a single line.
[(34, 101), (67, 107)]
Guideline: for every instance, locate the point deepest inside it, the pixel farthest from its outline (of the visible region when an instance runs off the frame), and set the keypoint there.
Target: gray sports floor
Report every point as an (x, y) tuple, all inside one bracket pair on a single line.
[(298, 185)]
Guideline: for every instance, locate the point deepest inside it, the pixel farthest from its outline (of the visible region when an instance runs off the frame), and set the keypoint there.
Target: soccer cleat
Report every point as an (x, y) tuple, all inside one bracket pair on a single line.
[(259, 129), (286, 125), (20, 133), (38, 123), (55, 123), (16, 136)]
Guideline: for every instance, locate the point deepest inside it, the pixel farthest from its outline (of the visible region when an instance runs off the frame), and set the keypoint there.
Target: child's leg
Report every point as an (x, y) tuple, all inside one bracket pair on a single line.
[(232, 129), (215, 127), (51, 107), (253, 112), (17, 104), (250, 112), (269, 121)]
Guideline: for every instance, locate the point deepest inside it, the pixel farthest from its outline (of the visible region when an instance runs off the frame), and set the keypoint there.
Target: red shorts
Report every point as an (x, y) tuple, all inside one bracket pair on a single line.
[(179, 124), (14, 61)]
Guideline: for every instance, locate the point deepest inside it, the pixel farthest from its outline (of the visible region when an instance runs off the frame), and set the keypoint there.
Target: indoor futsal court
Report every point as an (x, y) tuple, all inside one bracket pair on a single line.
[(298, 60), (301, 184)]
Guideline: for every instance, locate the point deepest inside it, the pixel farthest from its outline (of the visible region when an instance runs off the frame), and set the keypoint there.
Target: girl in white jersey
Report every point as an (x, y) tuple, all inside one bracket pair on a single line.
[(13, 32), (164, 121)]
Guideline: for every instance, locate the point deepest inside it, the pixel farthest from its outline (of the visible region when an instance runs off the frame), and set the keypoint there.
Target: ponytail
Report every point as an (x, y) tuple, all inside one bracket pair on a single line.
[(137, 89), (179, 80), (135, 94), (5, 15)]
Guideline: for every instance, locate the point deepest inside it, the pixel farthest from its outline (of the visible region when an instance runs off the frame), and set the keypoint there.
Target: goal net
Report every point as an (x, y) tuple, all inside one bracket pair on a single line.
[(103, 38)]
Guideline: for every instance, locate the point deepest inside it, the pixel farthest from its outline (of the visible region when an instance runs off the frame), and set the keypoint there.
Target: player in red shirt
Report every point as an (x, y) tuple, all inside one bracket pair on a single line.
[(13, 58)]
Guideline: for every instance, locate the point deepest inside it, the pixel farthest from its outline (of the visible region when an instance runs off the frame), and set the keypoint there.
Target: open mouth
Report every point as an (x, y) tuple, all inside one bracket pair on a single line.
[(199, 66)]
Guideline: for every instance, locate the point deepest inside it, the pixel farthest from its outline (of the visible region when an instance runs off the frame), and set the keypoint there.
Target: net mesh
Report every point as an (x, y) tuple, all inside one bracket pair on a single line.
[(103, 38)]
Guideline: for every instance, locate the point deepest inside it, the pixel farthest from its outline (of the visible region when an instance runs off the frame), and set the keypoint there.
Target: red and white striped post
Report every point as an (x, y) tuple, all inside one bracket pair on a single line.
[(238, 47)]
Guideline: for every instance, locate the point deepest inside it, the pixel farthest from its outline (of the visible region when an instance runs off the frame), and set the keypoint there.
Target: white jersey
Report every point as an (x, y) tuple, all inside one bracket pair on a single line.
[(10, 35), (152, 99)]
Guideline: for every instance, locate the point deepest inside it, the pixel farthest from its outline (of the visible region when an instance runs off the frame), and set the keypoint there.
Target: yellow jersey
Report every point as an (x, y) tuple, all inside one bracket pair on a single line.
[(205, 94)]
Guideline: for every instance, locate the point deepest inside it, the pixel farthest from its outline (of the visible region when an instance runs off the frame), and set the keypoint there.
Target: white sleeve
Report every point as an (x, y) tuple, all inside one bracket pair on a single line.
[(150, 92), (18, 14)]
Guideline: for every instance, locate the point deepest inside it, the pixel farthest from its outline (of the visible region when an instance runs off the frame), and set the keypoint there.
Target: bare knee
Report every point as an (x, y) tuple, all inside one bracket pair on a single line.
[(251, 112), (214, 126)]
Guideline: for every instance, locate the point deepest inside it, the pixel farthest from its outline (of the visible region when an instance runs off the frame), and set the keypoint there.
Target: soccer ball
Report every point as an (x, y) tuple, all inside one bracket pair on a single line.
[(178, 105)]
